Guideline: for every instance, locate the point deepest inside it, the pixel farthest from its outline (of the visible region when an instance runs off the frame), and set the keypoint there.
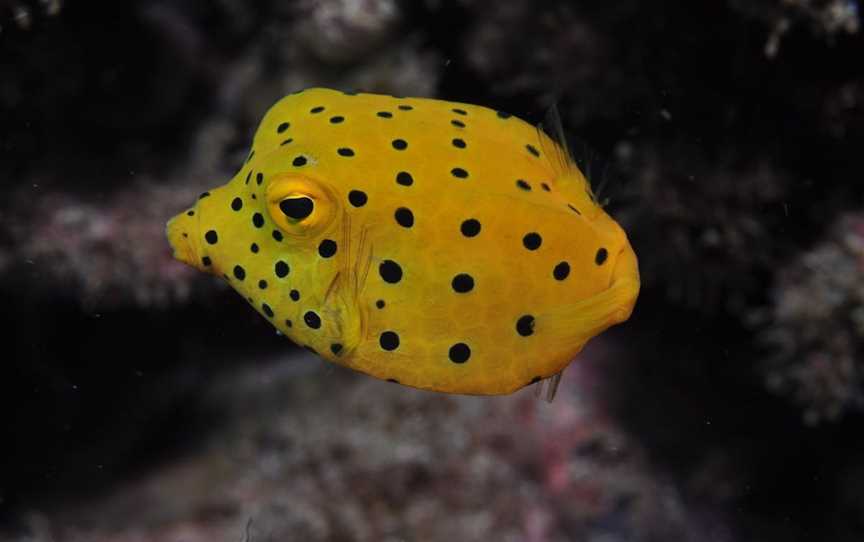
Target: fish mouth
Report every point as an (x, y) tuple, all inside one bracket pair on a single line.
[(182, 230)]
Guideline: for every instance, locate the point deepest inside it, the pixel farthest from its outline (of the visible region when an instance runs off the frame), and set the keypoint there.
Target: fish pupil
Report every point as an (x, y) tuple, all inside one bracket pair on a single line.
[(297, 208)]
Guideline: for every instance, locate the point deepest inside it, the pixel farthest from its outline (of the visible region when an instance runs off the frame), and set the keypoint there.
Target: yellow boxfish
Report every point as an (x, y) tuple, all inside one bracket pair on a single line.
[(441, 245)]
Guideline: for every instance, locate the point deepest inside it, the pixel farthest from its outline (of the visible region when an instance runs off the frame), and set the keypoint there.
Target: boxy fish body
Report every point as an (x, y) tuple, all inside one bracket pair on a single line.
[(442, 245)]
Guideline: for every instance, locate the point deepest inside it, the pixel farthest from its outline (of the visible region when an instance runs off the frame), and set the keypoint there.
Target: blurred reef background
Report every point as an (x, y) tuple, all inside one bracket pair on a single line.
[(141, 401)]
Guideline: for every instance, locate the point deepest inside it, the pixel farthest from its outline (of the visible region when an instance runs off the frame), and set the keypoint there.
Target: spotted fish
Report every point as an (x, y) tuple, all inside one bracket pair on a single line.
[(442, 245)]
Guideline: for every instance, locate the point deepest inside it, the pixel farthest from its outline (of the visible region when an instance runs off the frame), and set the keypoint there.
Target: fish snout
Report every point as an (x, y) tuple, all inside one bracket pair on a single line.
[(183, 236)]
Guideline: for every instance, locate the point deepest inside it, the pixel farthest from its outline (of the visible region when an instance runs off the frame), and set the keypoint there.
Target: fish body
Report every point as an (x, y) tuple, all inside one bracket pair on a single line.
[(442, 245)]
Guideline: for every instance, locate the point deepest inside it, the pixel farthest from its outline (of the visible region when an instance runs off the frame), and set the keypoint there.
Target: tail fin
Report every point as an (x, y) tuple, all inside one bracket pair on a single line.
[(575, 324)]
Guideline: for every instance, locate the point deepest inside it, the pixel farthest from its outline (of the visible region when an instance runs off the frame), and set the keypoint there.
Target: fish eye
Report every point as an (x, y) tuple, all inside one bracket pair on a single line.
[(300, 206), (297, 208)]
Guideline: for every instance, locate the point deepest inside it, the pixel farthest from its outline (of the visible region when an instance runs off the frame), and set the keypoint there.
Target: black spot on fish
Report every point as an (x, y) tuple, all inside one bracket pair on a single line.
[(470, 227), (457, 123), (459, 143), (390, 271), (404, 178), (282, 127), (525, 325), (389, 340), (601, 256), (462, 283), (212, 237), (385, 114), (327, 248), (312, 319), (345, 151), (294, 295), (523, 185), (532, 150), (258, 220), (337, 119), (561, 271), (239, 272), (317, 109), (532, 241), (281, 269), (237, 204), (404, 217), (357, 198), (400, 144), (458, 172), (267, 310), (335, 348), (459, 353)]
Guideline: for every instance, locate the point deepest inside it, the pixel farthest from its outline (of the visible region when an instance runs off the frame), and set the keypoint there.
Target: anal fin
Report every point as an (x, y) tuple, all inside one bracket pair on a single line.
[(551, 386)]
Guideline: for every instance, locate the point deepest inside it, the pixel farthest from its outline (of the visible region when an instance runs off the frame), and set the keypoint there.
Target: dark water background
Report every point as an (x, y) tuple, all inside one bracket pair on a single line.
[(140, 401)]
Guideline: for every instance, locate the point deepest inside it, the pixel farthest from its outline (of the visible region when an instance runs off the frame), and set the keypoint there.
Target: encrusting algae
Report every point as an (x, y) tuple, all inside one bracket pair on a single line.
[(441, 245)]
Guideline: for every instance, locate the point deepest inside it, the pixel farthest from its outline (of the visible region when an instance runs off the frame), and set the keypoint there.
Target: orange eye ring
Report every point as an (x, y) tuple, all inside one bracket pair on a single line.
[(301, 206)]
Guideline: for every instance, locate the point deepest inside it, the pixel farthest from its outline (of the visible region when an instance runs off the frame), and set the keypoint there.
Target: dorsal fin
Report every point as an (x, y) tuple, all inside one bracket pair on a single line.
[(565, 159), (559, 153)]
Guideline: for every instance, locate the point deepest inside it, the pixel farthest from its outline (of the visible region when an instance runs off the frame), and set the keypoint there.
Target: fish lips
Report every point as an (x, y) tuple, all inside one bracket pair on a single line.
[(183, 236)]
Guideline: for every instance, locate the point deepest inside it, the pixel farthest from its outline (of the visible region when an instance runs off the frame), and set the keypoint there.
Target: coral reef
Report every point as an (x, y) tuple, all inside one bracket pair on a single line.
[(391, 464), (815, 325), (109, 254), (724, 219), (826, 18), (23, 14), (82, 244)]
